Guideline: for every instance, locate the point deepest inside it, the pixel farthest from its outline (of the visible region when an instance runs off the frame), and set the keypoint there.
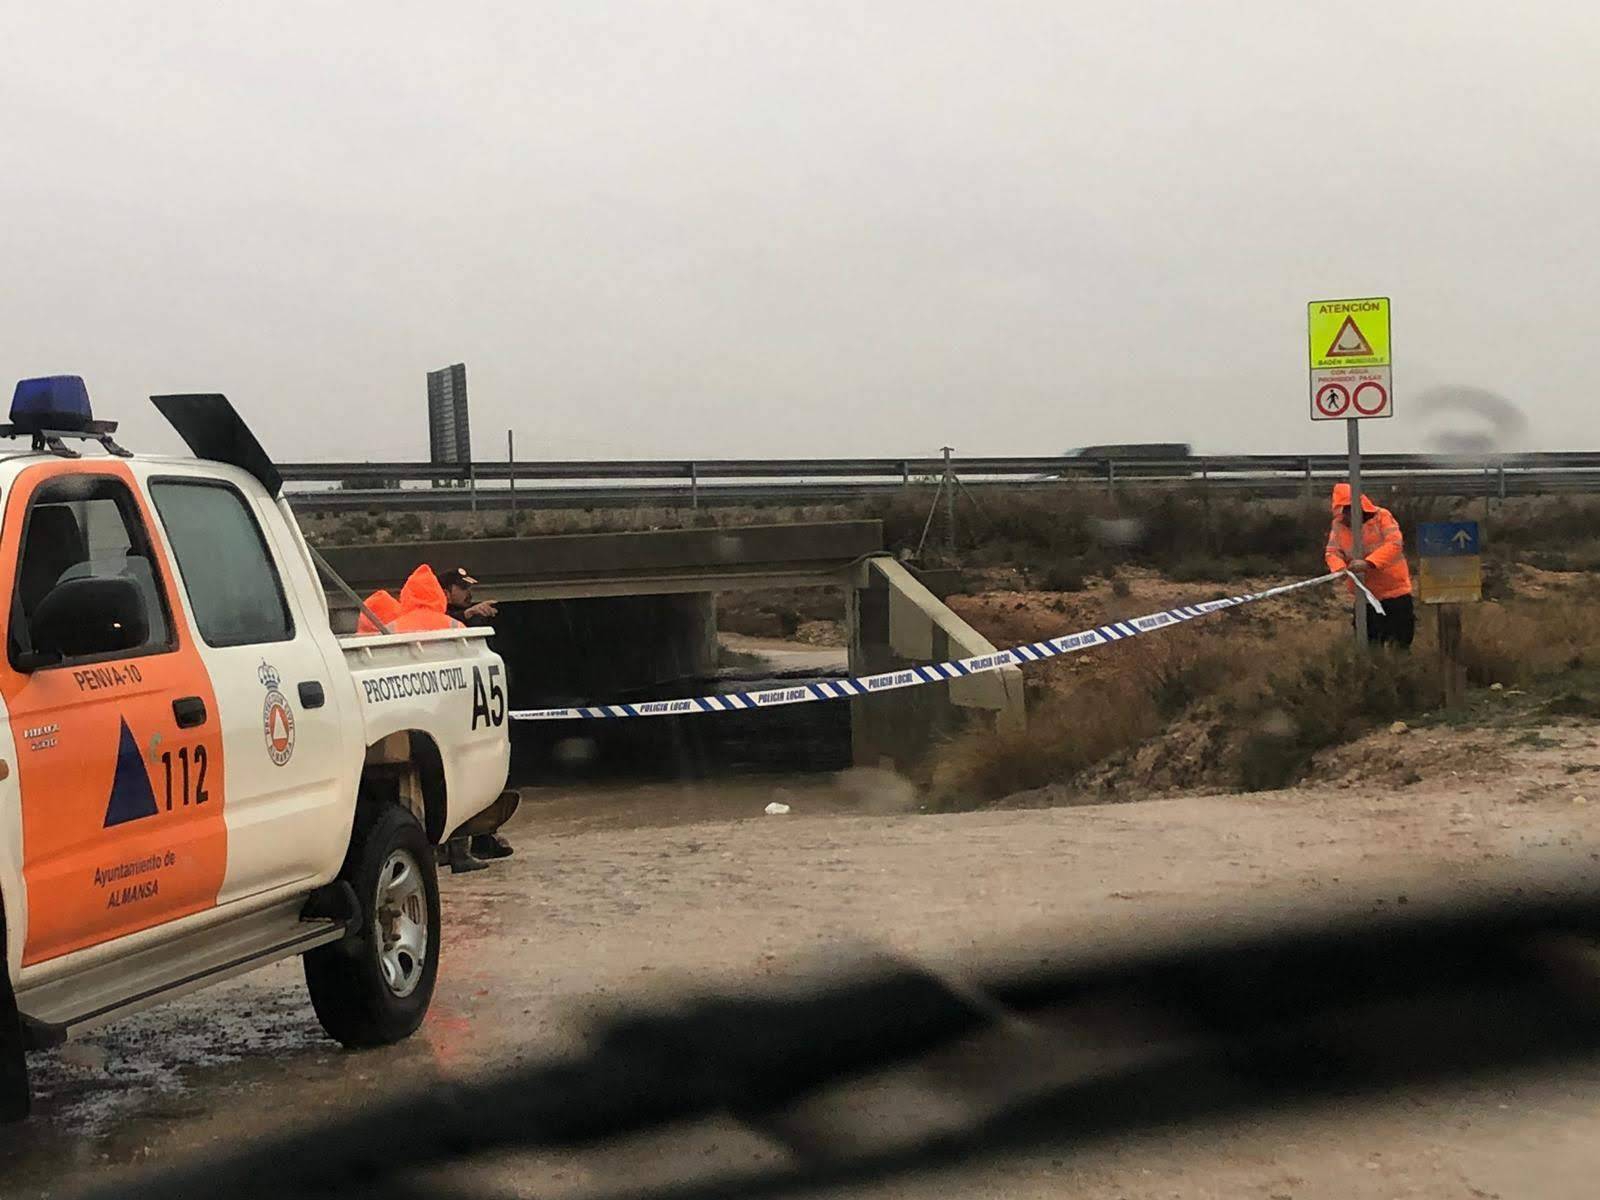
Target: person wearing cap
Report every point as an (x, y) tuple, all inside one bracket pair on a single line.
[(463, 853), (1381, 564), (458, 585)]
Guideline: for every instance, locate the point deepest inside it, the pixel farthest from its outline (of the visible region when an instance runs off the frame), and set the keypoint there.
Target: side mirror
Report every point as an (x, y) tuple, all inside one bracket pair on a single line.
[(80, 618)]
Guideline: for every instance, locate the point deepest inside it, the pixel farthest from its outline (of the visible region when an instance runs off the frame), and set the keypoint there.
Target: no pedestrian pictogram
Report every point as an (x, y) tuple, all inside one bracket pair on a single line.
[(1332, 400)]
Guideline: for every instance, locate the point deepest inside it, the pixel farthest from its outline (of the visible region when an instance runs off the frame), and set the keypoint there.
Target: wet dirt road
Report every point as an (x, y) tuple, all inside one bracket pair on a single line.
[(643, 889)]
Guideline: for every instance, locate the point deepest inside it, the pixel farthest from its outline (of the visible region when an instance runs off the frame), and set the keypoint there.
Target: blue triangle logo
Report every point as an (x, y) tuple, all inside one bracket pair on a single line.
[(131, 796)]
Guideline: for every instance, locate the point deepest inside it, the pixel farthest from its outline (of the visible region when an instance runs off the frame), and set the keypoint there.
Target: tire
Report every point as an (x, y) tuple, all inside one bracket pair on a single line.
[(364, 994)]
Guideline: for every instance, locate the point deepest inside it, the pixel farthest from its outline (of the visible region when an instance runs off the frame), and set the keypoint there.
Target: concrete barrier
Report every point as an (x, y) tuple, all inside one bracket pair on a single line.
[(896, 622), (644, 563)]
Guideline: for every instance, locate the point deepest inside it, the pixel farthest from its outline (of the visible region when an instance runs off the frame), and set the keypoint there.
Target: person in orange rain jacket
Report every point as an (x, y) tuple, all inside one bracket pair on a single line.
[(1381, 565), (381, 605), (422, 604)]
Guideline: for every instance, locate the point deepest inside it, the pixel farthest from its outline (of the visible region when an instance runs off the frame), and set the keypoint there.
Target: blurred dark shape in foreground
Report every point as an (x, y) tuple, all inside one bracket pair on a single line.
[(1202, 1029)]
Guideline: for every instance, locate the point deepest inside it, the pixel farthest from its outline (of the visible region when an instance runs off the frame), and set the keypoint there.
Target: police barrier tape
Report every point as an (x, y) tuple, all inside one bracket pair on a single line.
[(810, 691)]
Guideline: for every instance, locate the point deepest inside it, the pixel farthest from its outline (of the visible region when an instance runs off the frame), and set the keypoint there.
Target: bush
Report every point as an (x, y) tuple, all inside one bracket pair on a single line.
[(1573, 704), (1224, 570), (1063, 577), (1326, 700), (1521, 641), (1097, 720), (1063, 738), (1496, 579), (1195, 570), (1177, 672), (1258, 700)]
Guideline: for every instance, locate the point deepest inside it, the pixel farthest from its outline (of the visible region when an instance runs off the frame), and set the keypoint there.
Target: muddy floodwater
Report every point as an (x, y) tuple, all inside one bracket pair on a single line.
[(800, 738)]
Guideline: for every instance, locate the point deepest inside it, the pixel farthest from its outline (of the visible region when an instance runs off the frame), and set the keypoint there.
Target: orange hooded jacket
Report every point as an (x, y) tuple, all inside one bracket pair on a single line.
[(422, 604), (383, 606), (1388, 575)]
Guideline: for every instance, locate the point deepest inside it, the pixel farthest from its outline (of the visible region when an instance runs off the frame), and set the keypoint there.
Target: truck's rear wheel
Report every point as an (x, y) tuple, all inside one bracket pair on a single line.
[(374, 987)]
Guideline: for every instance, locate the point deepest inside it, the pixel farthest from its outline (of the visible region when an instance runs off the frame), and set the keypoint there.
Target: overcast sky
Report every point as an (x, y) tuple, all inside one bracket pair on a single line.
[(705, 228)]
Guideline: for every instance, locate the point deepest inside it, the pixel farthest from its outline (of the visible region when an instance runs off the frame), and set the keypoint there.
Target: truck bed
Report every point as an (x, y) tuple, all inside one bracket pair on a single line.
[(445, 685)]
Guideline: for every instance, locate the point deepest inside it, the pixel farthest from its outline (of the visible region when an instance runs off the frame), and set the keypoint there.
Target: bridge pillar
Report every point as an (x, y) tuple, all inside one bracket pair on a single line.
[(895, 622)]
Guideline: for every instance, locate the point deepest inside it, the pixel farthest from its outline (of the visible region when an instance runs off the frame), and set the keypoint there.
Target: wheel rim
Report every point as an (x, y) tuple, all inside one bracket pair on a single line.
[(400, 922)]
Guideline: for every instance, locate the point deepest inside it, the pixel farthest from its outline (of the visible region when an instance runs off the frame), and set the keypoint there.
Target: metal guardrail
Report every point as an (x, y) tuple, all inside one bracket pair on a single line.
[(673, 482)]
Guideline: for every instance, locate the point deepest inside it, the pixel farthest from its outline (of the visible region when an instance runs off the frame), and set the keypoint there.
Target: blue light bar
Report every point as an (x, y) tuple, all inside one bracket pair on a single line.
[(59, 402)]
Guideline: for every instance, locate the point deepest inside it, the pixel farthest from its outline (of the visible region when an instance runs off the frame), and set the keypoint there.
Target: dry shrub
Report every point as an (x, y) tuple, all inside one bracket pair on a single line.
[(1064, 576), (1099, 718), (1326, 699), (1064, 737), (1263, 700), (1225, 570), (1178, 669), (1522, 641)]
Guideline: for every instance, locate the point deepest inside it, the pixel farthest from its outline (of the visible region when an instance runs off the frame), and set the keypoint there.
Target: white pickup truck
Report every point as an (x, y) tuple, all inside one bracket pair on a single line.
[(197, 777)]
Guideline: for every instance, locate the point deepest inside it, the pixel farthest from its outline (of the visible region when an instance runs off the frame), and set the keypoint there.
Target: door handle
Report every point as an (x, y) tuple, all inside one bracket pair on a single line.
[(311, 694), (189, 711)]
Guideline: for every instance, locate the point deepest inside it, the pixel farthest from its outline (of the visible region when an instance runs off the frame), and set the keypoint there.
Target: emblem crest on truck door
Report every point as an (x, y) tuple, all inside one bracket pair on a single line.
[(277, 718)]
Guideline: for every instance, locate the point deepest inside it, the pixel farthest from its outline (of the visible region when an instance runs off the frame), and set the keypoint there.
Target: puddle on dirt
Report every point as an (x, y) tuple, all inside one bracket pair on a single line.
[(88, 1086)]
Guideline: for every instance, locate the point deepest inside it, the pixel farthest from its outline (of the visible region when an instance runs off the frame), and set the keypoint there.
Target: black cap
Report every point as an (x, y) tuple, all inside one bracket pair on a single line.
[(455, 577)]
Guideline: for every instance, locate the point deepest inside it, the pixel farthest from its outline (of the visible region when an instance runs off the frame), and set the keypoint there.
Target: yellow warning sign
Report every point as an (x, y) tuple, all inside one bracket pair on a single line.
[(1348, 333)]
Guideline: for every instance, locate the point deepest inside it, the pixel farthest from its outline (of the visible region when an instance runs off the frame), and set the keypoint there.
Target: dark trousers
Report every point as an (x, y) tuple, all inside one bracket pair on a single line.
[(1396, 626)]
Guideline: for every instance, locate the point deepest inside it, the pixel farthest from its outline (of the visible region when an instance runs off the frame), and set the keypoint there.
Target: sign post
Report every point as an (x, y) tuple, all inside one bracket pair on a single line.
[(1353, 427), (1348, 344), (1452, 575)]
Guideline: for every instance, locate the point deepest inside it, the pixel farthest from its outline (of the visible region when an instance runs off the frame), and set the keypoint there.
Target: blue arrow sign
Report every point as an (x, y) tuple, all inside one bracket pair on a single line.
[(1447, 539)]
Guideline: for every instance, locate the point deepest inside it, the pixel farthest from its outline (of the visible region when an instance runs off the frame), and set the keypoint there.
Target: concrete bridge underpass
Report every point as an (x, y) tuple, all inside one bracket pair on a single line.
[(592, 618)]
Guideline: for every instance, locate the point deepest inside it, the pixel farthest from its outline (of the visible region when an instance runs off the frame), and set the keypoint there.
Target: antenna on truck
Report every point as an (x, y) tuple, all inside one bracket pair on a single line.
[(334, 578), (213, 429)]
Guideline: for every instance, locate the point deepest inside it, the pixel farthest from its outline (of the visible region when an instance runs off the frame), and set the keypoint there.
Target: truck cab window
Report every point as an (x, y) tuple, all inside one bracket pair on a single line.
[(228, 573), (82, 536)]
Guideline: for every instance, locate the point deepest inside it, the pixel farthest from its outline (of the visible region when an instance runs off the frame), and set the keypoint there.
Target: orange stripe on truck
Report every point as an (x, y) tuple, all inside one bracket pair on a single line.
[(122, 811)]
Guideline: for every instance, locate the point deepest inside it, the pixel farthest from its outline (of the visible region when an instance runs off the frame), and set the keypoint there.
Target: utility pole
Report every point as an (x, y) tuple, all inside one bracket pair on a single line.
[(949, 502), (511, 472)]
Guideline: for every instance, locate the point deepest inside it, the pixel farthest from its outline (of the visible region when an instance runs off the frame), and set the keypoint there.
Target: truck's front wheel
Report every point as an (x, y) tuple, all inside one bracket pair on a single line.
[(373, 988)]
